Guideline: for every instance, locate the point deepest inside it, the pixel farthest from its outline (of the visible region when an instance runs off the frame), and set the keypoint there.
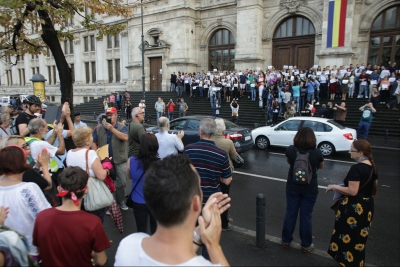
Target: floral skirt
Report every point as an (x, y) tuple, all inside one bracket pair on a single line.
[(352, 224)]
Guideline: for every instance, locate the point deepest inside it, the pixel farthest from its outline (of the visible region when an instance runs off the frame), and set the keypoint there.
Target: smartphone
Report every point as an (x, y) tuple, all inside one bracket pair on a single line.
[(108, 120), (103, 119)]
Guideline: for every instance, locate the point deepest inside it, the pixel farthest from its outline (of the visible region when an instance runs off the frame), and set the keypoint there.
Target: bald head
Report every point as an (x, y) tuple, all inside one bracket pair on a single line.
[(163, 124)]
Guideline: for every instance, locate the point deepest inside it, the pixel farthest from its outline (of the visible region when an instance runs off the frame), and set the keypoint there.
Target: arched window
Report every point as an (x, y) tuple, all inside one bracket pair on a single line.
[(384, 45), (296, 26), (222, 50)]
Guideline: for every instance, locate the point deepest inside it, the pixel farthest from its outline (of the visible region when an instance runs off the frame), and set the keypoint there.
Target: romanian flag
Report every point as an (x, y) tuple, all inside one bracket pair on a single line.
[(336, 23)]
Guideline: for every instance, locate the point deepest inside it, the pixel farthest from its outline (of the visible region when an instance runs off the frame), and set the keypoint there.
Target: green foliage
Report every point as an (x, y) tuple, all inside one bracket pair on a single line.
[(21, 21)]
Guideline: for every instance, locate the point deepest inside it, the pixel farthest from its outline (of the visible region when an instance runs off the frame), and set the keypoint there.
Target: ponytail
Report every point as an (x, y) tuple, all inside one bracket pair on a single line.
[(374, 188)]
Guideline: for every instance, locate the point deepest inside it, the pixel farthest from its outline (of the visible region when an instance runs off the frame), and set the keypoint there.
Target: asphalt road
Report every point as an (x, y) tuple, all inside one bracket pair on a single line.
[(265, 172)]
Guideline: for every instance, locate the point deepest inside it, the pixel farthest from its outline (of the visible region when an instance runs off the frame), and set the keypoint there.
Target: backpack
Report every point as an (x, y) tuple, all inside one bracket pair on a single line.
[(14, 126), (302, 171)]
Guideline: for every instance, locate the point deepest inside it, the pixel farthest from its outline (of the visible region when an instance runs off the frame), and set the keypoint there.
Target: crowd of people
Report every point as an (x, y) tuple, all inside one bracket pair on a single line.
[(44, 180)]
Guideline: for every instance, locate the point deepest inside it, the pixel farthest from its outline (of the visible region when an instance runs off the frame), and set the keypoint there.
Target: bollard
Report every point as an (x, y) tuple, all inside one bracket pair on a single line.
[(260, 220), (386, 137), (94, 115)]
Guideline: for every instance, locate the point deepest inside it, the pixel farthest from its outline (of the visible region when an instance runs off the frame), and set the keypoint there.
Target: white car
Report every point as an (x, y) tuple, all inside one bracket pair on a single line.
[(330, 135)]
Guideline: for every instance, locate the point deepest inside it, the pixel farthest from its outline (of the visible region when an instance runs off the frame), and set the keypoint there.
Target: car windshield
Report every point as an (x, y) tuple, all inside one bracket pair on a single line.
[(230, 125), (336, 124)]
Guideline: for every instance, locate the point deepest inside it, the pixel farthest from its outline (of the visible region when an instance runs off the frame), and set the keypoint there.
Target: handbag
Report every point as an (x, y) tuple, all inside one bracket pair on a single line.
[(129, 201), (98, 196), (335, 206)]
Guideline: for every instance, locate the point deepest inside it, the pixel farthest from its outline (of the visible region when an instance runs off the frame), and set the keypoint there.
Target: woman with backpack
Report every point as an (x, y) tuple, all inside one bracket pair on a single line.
[(302, 187)]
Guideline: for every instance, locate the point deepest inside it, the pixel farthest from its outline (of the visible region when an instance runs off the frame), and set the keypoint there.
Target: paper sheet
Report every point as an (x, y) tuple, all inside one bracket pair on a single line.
[(337, 195), (103, 152)]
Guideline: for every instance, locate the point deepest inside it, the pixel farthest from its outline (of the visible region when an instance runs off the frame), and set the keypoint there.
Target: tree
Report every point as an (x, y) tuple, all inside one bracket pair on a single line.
[(30, 26)]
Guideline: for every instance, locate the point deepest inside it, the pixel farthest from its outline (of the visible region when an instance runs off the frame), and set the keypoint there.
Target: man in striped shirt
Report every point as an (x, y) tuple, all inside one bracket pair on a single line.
[(211, 162)]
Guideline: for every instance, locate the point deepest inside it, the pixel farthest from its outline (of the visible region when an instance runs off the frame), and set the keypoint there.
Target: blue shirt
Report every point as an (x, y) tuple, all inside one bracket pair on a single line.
[(211, 162), (296, 90), (109, 135), (137, 172), (310, 87)]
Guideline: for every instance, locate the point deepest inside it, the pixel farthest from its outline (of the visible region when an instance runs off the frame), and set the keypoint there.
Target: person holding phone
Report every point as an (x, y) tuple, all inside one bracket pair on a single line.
[(115, 134)]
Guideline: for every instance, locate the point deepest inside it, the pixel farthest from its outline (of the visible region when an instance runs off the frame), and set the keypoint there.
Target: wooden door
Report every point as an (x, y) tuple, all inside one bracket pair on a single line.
[(155, 74), (295, 51)]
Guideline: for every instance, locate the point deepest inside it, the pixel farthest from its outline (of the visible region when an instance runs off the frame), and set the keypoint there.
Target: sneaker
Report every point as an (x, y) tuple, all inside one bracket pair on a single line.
[(366, 97), (108, 212), (229, 227), (307, 249), (317, 103), (358, 96), (123, 206)]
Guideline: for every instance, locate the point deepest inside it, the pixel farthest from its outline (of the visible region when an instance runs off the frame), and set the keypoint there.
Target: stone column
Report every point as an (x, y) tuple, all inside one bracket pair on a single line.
[(248, 48)]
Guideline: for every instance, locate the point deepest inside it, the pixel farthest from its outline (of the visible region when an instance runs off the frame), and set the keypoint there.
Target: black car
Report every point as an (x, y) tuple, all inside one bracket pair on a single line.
[(241, 137)]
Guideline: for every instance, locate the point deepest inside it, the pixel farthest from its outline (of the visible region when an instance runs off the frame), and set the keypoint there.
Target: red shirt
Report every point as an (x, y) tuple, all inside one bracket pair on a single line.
[(171, 107), (67, 238)]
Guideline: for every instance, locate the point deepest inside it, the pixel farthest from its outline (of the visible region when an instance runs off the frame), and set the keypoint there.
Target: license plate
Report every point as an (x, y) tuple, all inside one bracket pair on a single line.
[(247, 138)]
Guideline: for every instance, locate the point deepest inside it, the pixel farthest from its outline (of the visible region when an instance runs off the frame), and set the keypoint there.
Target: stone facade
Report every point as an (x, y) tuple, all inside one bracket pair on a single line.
[(179, 31)]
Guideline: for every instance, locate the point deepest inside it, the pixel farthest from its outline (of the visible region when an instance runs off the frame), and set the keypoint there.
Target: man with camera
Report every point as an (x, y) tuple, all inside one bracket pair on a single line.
[(171, 109), (115, 134)]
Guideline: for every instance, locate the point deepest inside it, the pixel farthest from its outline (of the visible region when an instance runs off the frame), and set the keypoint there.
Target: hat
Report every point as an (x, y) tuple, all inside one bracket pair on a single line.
[(77, 113), (111, 110)]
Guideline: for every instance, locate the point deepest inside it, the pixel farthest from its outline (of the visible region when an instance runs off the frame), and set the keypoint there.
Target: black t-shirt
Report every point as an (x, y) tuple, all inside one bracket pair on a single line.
[(315, 158), (361, 172), (35, 177), (322, 112), (329, 113), (23, 118)]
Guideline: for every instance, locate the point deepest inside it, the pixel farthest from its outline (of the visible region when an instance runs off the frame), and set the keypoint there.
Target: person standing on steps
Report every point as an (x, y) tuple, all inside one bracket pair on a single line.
[(183, 107), (366, 120), (159, 107)]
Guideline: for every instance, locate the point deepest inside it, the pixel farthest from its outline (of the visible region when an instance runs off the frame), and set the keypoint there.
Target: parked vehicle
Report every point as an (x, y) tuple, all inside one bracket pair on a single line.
[(331, 136), (241, 137)]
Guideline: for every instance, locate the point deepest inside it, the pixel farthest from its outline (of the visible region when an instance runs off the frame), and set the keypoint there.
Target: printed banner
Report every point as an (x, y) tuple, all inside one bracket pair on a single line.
[(336, 23)]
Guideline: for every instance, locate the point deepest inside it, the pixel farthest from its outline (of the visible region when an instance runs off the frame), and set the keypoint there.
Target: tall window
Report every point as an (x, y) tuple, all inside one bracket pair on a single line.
[(87, 72), (384, 45), (116, 40), (296, 26), (92, 43), (71, 46), (21, 73), (86, 43), (222, 50), (9, 78), (117, 71), (93, 69), (73, 72), (110, 41), (51, 70), (110, 71)]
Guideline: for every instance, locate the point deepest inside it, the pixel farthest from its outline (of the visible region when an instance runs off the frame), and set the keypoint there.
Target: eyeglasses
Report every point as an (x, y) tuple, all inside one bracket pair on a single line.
[(350, 151)]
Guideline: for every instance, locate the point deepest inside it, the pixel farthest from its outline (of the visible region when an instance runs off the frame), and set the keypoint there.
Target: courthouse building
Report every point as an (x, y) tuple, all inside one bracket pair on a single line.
[(196, 35)]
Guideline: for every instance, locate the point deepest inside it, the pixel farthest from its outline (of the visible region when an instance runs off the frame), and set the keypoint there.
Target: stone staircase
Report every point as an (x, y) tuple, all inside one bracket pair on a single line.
[(249, 112)]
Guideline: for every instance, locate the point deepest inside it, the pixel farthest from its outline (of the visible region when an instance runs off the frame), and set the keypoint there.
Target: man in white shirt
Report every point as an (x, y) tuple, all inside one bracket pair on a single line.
[(168, 144), (38, 129), (174, 197)]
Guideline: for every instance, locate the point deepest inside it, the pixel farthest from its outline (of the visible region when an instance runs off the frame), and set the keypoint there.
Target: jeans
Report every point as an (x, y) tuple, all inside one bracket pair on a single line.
[(362, 89), (141, 214), (201, 91), (305, 202), (302, 98), (297, 100), (172, 87), (310, 97), (170, 115), (393, 103), (179, 90), (212, 99), (159, 114), (363, 125), (253, 93)]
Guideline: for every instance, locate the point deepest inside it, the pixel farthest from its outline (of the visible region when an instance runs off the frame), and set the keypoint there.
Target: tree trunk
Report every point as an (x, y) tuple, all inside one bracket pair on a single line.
[(50, 37)]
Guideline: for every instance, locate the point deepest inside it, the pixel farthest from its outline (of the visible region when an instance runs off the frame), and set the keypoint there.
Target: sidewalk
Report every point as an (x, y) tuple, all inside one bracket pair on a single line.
[(377, 142)]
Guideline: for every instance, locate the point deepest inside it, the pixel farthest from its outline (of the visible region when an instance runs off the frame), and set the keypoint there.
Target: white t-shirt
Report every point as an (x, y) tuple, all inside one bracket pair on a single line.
[(142, 105), (131, 253), (26, 201), (5, 132), (77, 159), (168, 144)]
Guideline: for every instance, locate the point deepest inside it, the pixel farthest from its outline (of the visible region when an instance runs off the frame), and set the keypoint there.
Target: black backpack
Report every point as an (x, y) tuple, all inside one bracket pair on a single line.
[(302, 171)]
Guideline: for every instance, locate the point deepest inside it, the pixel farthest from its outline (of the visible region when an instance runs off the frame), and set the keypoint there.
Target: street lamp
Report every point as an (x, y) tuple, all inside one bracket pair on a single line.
[(38, 85), (143, 77)]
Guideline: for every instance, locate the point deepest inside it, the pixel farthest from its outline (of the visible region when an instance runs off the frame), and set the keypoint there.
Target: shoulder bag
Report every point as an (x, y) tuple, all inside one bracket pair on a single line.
[(129, 201), (98, 196), (335, 206)]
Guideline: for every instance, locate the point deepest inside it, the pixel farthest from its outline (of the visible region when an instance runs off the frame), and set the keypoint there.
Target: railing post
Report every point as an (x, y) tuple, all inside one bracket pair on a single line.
[(260, 219)]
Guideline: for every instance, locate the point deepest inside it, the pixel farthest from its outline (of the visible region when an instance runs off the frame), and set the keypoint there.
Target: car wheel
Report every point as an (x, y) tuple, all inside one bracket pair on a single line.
[(326, 148), (262, 142)]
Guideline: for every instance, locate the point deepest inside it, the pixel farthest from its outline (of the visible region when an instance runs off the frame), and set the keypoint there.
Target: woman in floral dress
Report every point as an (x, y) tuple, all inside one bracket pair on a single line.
[(354, 216)]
